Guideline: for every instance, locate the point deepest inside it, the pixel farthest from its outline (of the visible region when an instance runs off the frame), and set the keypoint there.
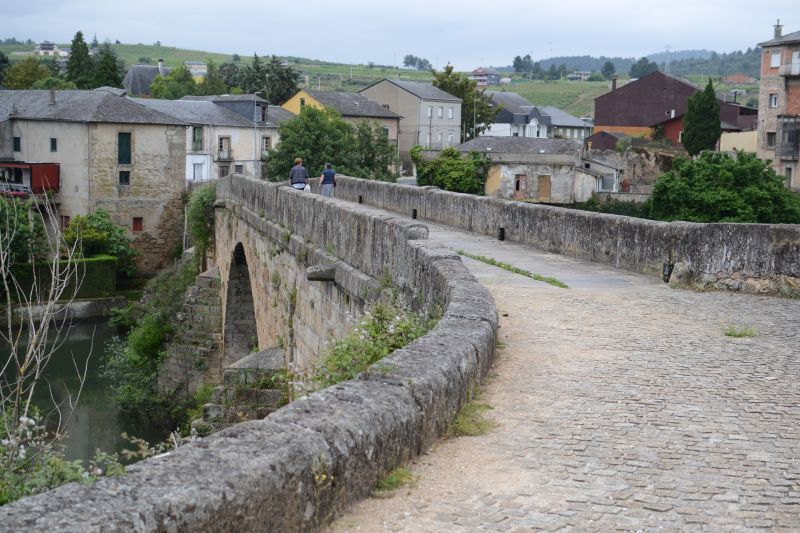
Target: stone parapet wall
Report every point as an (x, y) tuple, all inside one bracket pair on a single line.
[(303, 464), (761, 258)]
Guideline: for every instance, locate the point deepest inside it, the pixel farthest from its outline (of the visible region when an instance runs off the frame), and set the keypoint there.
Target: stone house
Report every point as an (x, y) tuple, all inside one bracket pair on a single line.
[(220, 141), (517, 117), (431, 117), (484, 76), (779, 105), (112, 153), (543, 170)]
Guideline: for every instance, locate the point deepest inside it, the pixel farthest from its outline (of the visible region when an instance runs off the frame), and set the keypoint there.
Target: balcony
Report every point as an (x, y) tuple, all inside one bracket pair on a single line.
[(788, 148), (790, 69), (225, 154)]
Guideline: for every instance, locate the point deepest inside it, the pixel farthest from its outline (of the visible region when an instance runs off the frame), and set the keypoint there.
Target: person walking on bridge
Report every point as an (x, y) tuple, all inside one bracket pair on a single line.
[(298, 175), (327, 181)]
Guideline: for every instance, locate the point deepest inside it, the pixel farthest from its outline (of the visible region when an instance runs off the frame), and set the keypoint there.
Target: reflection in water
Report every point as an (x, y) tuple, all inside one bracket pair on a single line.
[(96, 422)]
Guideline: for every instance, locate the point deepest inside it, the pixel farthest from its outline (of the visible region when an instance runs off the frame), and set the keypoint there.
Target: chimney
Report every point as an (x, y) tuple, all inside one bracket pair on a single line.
[(672, 113), (52, 97), (161, 67), (778, 29), (613, 83)]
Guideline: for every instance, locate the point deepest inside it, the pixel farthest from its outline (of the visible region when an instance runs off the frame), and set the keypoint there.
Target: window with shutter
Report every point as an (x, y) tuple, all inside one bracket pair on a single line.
[(124, 148)]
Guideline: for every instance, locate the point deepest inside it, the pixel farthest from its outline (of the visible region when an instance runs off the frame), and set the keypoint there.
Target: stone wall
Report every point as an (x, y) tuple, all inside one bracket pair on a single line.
[(759, 258), (266, 475)]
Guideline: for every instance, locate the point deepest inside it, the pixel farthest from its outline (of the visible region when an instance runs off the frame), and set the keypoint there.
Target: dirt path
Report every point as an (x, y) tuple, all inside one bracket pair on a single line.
[(621, 405)]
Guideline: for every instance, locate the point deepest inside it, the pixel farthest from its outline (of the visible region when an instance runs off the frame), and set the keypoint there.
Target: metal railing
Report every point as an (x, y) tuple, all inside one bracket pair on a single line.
[(225, 155), (789, 69)]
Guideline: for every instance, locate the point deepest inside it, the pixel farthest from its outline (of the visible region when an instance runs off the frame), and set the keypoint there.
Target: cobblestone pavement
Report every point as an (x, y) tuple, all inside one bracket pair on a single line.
[(621, 405)]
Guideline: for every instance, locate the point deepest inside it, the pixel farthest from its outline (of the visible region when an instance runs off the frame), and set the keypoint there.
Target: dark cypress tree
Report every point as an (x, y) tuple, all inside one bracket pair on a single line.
[(701, 125), (107, 71), (79, 65)]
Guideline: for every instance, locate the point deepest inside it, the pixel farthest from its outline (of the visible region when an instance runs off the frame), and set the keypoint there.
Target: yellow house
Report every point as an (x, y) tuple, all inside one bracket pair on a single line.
[(354, 107)]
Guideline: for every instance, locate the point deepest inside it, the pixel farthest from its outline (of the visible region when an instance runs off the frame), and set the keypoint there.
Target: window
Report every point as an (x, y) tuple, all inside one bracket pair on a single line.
[(124, 148), (449, 112), (64, 221), (266, 143), (124, 177), (773, 100), (238, 169), (430, 111), (263, 110), (440, 112), (450, 138), (197, 173), (197, 138), (775, 60), (137, 224), (680, 136), (53, 144), (386, 131), (587, 165), (788, 173), (607, 183), (302, 102), (17, 144), (224, 148), (223, 170), (770, 139)]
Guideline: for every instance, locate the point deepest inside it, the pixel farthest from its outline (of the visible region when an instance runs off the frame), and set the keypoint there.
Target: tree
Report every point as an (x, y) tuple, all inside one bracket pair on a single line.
[(236, 58), (719, 188), (52, 82), (177, 84), (642, 68), (213, 82), (3, 66), (321, 136), (424, 64), (608, 70), (552, 72), (701, 124), (476, 112), (24, 74), (282, 81), (108, 70), (253, 77), (80, 69), (452, 172), (96, 233), (595, 76), (39, 278), (230, 75), (517, 64)]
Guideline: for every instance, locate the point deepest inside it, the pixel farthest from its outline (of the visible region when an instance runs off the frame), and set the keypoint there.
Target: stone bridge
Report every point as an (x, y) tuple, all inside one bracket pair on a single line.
[(303, 464)]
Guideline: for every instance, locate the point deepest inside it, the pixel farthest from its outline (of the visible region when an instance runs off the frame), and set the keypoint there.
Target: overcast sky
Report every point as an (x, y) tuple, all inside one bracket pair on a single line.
[(467, 34)]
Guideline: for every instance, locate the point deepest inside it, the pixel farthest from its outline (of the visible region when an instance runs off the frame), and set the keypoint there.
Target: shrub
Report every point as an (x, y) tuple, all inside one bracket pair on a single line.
[(98, 234), (452, 172), (200, 217)]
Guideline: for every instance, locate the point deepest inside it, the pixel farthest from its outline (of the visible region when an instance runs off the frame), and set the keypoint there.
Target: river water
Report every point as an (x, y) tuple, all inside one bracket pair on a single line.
[(96, 422)]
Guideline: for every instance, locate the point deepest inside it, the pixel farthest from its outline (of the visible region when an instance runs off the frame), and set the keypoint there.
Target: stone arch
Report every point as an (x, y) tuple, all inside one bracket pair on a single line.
[(240, 330)]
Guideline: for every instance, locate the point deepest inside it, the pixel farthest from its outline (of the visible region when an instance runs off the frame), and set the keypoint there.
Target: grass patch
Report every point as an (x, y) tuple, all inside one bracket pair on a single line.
[(511, 268), (732, 331), (471, 421), (396, 479)]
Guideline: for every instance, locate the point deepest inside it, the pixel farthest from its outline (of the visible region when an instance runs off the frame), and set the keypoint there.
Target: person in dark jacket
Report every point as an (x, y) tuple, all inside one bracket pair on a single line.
[(328, 181), (298, 175)]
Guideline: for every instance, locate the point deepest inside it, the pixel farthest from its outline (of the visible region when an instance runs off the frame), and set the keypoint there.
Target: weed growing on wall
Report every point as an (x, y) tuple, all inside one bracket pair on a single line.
[(200, 219), (385, 327)]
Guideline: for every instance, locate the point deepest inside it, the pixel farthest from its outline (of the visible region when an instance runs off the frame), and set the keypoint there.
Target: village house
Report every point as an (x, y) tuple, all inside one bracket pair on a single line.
[(517, 117), (139, 77), (636, 107), (779, 105), (109, 152), (48, 49), (430, 117), (220, 141), (542, 170), (739, 79), (484, 76), (565, 126), (354, 108), (579, 75)]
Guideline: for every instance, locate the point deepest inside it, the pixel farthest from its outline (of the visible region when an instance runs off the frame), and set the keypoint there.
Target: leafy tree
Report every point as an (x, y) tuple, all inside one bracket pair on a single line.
[(476, 113), (24, 74), (374, 156), (254, 77), (424, 64), (523, 65), (80, 69), (236, 57), (177, 84), (52, 82), (322, 136), (701, 125), (282, 81), (3, 66), (144, 60), (452, 172), (517, 64), (410, 60), (108, 71), (719, 188), (98, 234), (23, 234), (213, 82), (642, 68), (318, 137), (595, 76), (230, 75), (552, 73), (608, 70)]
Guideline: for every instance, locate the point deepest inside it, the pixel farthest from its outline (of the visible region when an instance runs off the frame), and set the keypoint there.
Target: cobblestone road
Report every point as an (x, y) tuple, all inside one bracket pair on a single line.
[(621, 405)]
